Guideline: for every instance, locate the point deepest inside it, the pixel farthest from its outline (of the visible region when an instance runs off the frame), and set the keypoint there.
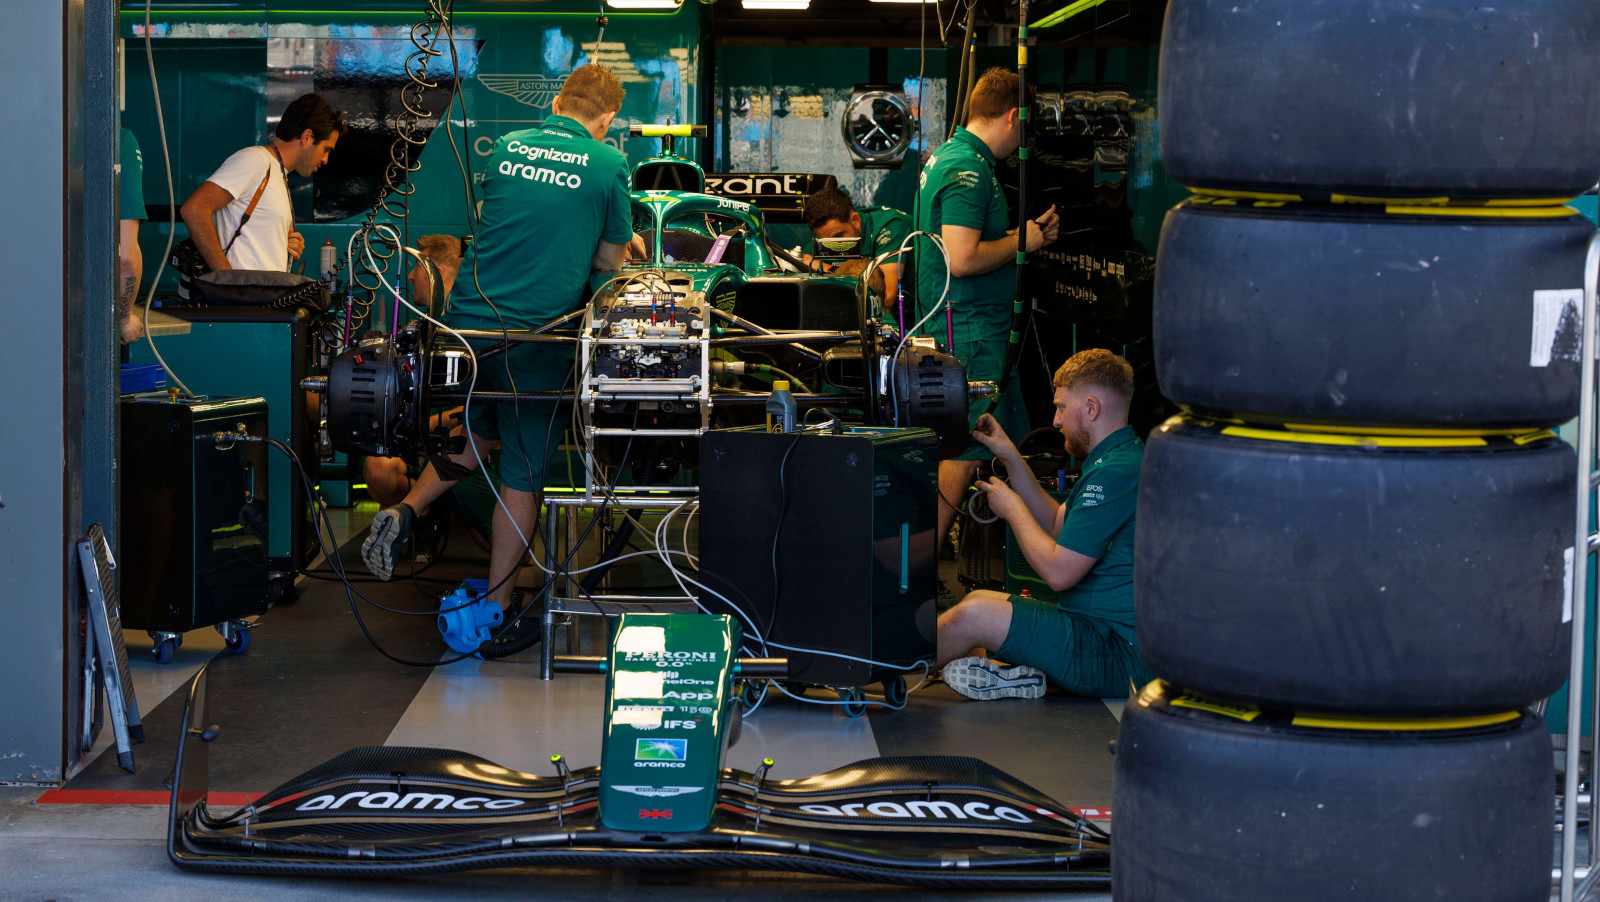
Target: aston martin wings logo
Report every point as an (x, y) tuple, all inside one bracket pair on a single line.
[(534, 90), (660, 792)]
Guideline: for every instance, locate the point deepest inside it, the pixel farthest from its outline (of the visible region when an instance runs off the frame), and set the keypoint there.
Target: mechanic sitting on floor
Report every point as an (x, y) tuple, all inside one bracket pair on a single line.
[(829, 214), (388, 479), (526, 268), (1085, 642)]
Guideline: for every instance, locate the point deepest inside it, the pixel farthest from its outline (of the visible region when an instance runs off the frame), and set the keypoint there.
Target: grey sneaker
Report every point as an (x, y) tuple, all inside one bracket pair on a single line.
[(386, 541), (983, 679)]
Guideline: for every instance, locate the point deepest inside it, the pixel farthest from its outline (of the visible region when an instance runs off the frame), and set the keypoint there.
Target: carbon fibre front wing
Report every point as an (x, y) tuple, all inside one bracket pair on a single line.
[(931, 821)]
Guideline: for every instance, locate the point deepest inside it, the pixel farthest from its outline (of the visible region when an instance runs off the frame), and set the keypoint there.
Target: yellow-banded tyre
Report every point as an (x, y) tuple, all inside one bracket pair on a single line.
[(1219, 804), (1347, 315), (1450, 98), (1376, 575)]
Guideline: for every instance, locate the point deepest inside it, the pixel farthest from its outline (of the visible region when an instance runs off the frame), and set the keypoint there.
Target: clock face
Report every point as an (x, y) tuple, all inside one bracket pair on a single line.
[(878, 126)]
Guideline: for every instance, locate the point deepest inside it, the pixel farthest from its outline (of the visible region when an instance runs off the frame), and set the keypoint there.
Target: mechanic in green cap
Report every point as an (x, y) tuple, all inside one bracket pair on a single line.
[(555, 208), (829, 214), (130, 179), (960, 201), (1084, 641)]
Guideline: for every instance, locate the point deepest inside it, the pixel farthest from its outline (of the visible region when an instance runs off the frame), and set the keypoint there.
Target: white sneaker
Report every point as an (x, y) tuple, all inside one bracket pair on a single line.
[(983, 679)]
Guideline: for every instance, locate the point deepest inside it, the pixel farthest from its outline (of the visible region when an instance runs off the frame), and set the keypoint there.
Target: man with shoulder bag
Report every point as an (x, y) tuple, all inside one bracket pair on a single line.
[(242, 218)]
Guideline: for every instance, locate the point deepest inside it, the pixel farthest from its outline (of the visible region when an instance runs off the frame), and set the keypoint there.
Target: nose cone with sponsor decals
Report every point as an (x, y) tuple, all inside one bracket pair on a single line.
[(661, 798)]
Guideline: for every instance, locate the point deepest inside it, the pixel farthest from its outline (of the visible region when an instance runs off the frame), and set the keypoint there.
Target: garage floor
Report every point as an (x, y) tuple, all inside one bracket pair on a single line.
[(310, 687)]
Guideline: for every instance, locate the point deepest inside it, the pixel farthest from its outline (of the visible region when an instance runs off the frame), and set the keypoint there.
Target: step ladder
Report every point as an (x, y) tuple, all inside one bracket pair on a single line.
[(109, 655)]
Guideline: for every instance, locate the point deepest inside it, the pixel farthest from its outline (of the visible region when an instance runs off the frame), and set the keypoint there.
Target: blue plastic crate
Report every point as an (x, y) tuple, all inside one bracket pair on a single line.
[(142, 377)]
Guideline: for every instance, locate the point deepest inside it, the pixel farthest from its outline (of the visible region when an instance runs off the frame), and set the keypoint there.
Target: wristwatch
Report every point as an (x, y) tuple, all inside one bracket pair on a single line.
[(878, 126)]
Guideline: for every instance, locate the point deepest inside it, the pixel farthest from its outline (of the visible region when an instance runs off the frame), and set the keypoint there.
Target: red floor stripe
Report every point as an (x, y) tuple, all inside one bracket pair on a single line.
[(137, 797)]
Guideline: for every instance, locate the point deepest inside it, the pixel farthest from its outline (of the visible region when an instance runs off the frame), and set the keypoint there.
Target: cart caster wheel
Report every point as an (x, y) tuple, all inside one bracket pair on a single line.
[(798, 690), (855, 702), (240, 641), (278, 589), (164, 651), (894, 692), (750, 693)]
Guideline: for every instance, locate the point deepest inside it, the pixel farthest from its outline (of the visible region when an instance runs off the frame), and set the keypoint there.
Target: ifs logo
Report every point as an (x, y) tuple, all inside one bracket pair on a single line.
[(660, 749)]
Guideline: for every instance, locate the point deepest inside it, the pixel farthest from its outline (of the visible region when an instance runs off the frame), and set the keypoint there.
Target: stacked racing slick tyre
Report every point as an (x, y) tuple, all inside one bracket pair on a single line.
[(1370, 313), (1382, 575), (1366, 316), (1344, 99), (1225, 803)]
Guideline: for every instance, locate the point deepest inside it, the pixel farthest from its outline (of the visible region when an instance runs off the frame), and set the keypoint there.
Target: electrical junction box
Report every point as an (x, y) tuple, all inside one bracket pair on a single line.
[(823, 543)]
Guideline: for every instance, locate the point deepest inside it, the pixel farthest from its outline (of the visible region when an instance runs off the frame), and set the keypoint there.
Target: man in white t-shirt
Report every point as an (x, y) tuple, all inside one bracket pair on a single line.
[(216, 212)]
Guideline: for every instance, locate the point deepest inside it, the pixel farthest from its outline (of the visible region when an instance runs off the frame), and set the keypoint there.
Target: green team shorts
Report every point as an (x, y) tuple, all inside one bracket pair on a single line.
[(529, 432), (473, 499), (984, 361), (1077, 653)]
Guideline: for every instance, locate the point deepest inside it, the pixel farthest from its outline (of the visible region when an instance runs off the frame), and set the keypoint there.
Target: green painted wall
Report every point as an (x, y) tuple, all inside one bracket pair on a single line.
[(223, 73)]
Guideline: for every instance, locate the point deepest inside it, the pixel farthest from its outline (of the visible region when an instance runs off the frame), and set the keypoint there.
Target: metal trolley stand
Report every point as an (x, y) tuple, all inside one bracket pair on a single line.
[(1585, 545), (595, 390)]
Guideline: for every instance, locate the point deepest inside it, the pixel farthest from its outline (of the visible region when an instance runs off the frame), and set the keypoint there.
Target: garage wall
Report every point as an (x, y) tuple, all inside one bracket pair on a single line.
[(58, 364), (224, 75)]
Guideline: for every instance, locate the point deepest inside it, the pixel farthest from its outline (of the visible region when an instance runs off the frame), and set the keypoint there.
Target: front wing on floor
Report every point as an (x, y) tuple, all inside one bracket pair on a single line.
[(931, 821)]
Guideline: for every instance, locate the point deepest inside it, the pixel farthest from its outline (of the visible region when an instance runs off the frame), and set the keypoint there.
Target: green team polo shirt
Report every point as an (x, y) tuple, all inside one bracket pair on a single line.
[(131, 179), (550, 195), (1099, 524), (883, 229), (959, 187)]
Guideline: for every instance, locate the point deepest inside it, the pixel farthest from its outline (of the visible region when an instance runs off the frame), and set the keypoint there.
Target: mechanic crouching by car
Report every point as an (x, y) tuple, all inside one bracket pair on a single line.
[(830, 214), (1085, 641), (555, 208)]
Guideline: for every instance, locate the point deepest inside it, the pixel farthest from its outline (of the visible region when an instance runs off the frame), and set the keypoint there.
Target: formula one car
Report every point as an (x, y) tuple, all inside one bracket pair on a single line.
[(660, 797), (663, 348)]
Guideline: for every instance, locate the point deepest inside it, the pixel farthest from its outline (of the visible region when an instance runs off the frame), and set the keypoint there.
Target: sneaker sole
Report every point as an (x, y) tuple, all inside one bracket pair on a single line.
[(981, 679), (375, 550)]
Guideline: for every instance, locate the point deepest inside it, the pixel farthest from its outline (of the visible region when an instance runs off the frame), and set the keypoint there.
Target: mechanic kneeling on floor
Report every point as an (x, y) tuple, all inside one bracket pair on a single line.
[(555, 208), (1085, 642)]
